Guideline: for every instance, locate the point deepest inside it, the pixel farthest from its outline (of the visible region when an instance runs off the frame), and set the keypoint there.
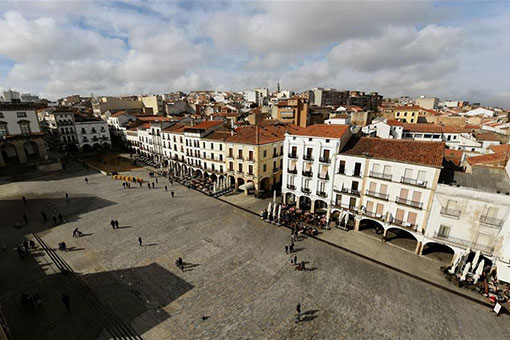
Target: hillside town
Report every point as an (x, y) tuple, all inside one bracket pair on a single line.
[(427, 174)]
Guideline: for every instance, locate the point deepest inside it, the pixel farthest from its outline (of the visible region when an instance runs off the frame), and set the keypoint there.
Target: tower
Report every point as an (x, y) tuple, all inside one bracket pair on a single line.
[(278, 88)]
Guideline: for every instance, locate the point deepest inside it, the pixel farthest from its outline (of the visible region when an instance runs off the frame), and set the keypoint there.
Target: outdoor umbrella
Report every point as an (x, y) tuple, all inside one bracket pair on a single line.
[(274, 213), (274, 197), (465, 271), (279, 213), (475, 260), (479, 270), (346, 218), (268, 209), (455, 263)]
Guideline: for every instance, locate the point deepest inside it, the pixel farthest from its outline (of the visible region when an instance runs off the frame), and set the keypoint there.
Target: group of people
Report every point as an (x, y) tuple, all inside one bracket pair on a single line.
[(24, 248), (179, 263), (114, 224), (290, 249), (28, 301)]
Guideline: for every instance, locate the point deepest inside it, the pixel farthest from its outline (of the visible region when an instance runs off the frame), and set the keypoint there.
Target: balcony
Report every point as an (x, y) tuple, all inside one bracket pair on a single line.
[(305, 190), (292, 171), (321, 193), (251, 159), (308, 158), (307, 173), (292, 155), (409, 203), (325, 178), (404, 224), (326, 160), (450, 212), (230, 156), (352, 192), (465, 243), (240, 158), (380, 175), (374, 215), (344, 206), (491, 221), (377, 195), (291, 186), (412, 181)]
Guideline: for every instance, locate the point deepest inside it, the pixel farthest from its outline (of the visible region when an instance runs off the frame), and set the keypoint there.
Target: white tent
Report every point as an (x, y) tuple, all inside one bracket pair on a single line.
[(247, 186), (455, 263), (479, 271), (465, 271), (503, 271)]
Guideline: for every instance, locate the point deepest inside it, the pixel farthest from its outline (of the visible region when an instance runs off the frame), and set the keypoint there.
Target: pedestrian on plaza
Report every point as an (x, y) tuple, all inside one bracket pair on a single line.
[(128, 185), (20, 251), (24, 200), (292, 247), (44, 217), (149, 185), (286, 249), (152, 185), (112, 223), (66, 301), (116, 224), (295, 259), (173, 195), (140, 184), (25, 217), (60, 218), (156, 180), (86, 180), (298, 310), (124, 185), (74, 232), (139, 240), (67, 196), (166, 188), (303, 265), (54, 218), (32, 244)]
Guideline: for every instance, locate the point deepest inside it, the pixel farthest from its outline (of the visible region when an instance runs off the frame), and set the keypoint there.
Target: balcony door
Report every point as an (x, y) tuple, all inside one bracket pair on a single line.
[(357, 169)]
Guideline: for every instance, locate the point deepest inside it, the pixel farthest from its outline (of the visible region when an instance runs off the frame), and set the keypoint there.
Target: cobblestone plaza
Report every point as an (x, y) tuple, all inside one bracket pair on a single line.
[(238, 275)]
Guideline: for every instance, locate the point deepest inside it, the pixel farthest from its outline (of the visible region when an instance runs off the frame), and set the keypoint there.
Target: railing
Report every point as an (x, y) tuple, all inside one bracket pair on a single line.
[(380, 175), (450, 212), (413, 181), (343, 206), (308, 158), (377, 195), (251, 159), (409, 203), (305, 190), (240, 158), (307, 173), (321, 193), (465, 243), (324, 160), (326, 178), (350, 191), (293, 155), (491, 221), (373, 215), (291, 186), (292, 171), (404, 224), (230, 156)]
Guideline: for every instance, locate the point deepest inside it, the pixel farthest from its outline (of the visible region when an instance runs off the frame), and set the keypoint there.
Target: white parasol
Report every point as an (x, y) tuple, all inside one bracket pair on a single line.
[(274, 213), (455, 263), (479, 270), (279, 213), (346, 218), (268, 209), (475, 261), (465, 271), (274, 197)]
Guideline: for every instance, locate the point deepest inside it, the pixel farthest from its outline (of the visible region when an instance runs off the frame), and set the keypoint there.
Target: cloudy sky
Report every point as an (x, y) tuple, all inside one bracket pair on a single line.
[(446, 49)]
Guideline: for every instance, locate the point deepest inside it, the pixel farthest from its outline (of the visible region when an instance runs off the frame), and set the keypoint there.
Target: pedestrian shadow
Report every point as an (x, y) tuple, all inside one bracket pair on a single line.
[(86, 234), (309, 315), (190, 265), (299, 249), (150, 244), (125, 227), (74, 249), (311, 269)]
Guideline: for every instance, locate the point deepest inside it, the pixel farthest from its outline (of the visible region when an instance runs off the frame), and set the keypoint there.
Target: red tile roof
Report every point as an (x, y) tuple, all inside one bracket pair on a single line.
[(398, 150), (205, 125), (153, 118), (323, 130), (454, 156), (118, 113), (500, 148), (491, 158), (255, 134), (175, 128), (217, 135)]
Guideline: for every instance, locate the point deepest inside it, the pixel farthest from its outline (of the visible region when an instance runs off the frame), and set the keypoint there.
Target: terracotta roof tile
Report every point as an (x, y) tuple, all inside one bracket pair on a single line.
[(205, 125), (500, 148), (254, 134), (499, 157), (323, 130), (398, 150)]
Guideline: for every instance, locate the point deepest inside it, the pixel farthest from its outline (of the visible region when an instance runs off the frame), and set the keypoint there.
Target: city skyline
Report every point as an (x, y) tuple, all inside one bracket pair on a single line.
[(441, 49)]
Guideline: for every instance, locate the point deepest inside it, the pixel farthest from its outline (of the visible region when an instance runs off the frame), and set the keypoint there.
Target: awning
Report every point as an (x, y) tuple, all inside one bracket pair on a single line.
[(503, 272), (247, 186), (324, 171), (292, 166)]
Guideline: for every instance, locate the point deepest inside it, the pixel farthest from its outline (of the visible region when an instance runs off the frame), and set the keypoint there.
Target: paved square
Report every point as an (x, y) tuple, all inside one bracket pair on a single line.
[(238, 273)]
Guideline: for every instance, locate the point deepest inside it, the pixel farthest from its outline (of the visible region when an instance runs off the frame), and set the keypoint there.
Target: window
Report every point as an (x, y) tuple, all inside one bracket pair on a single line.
[(212, 146), (231, 166), (24, 127), (264, 168), (411, 218), (265, 154), (408, 173), (341, 168), (310, 139), (357, 169), (444, 231), (221, 156), (240, 154), (338, 199), (327, 140), (1, 115), (250, 155), (230, 152), (21, 114), (291, 180), (221, 147), (240, 167), (387, 169), (325, 154), (274, 166), (355, 185), (250, 169), (428, 135)]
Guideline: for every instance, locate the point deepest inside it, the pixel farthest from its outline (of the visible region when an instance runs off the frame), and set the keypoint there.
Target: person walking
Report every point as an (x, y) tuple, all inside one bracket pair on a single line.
[(156, 180), (140, 184), (66, 301), (291, 247), (295, 260), (86, 180), (116, 224), (124, 185), (25, 217), (152, 185), (44, 217), (148, 185), (67, 197), (286, 249), (128, 185), (173, 195), (298, 310), (24, 200), (139, 240), (303, 265), (112, 223), (166, 188)]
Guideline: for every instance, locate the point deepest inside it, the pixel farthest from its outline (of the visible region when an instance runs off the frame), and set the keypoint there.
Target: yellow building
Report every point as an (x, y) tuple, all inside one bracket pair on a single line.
[(408, 114), (254, 157), (153, 102)]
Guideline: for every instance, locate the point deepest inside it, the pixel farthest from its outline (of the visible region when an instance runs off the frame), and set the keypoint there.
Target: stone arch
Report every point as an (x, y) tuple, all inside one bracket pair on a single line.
[(87, 147), (71, 148), (96, 146), (9, 154), (438, 251), (305, 203), (240, 181), (368, 223), (106, 146), (321, 206), (265, 184), (31, 150), (290, 198), (401, 238)]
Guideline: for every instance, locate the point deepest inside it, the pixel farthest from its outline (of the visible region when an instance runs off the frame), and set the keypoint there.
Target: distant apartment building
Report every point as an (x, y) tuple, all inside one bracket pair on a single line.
[(61, 129), (21, 138), (429, 103), (113, 104), (329, 97), (294, 110), (153, 104), (92, 134)]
